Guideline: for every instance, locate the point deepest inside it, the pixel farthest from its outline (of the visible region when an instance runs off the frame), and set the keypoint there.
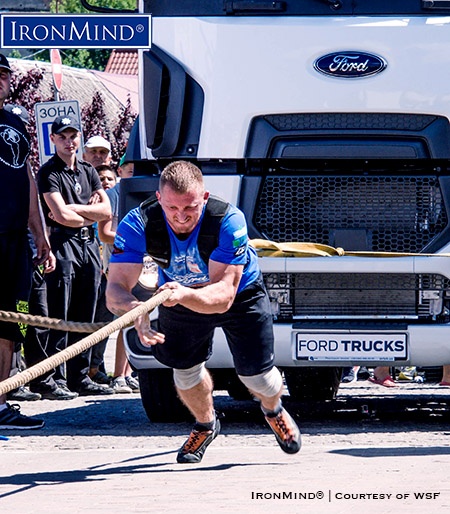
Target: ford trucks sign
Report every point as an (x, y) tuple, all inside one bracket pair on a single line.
[(350, 65)]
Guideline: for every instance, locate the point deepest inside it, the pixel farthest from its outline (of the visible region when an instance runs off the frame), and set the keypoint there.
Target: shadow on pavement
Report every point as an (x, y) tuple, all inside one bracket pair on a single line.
[(107, 471), (413, 451), (116, 416)]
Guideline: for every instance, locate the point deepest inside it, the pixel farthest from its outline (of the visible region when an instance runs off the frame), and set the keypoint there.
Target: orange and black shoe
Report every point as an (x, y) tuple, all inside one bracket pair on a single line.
[(193, 449), (286, 431)]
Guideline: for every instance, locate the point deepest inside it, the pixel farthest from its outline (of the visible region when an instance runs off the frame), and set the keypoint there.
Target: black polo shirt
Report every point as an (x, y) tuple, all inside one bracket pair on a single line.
[(14, 181), (76, 186)]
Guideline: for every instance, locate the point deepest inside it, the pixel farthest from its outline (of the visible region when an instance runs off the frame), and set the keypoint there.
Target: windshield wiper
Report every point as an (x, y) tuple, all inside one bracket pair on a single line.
[(435, 4), (110, 10)]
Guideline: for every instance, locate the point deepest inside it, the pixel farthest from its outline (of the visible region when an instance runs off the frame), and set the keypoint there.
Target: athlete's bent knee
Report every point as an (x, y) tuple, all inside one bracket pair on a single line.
[(188, 378), (269, 383)]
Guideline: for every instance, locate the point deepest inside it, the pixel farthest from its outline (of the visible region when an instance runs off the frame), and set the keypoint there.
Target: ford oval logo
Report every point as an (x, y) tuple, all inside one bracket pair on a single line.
[(350, 65)]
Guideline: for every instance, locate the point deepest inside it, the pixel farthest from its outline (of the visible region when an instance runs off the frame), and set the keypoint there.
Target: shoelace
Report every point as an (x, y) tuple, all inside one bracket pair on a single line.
[(286, 431), (194, 438), (15, 409)]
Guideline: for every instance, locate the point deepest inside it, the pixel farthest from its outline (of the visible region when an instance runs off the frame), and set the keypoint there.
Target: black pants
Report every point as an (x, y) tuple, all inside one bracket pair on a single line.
[(72, 291), (16, 267), (102, 315), (247, 326), (36, 339)]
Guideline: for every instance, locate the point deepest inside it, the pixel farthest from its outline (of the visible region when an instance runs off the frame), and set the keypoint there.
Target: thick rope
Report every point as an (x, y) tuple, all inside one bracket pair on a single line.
[(44, 322), (266, 248), (39, 369)]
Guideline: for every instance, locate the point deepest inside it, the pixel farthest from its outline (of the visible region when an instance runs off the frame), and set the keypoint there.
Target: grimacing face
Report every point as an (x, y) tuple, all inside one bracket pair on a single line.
[(183, 211)]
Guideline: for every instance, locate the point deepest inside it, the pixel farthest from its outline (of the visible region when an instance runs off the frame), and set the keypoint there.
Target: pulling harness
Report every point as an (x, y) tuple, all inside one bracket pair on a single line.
[(157, 238)]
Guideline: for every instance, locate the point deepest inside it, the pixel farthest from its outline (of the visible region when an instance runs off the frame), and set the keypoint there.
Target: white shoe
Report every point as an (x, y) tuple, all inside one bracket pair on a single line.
[(132, 383), (120, 386)]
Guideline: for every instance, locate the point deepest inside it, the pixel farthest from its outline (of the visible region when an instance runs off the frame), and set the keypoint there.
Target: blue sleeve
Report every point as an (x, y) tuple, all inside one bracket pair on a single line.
[(129, 243), (233, 239)]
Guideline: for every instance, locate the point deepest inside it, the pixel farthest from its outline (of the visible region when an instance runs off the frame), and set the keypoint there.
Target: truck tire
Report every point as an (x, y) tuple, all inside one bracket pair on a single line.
[(306, 384), (159, 397), (227, 379)]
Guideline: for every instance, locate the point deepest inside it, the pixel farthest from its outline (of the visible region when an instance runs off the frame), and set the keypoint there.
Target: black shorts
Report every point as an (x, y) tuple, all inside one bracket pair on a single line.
[(247, 326), (16, 272)]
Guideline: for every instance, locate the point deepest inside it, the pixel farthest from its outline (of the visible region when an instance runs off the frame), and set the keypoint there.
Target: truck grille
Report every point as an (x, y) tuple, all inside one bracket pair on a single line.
[(357, 295), (380, 213)]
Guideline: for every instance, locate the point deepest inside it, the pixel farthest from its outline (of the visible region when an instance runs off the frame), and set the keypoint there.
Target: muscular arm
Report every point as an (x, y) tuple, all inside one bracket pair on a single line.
[(77, 216), (121, 280), (215, 298), (119, 299)]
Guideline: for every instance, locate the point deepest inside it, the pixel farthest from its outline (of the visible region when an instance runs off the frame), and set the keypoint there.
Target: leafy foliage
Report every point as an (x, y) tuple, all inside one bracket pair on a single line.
[(26, 90), (94, 124), (81, 57), (93, 116), (122, 131)]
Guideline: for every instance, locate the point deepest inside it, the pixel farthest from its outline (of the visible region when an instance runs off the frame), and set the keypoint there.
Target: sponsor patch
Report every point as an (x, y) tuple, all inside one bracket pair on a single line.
[(239, 238), (240, 250)]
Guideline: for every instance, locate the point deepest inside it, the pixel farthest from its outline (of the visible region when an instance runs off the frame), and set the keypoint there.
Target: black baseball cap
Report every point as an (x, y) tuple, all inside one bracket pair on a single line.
[(19, 110), (65, 122), (4, 63)]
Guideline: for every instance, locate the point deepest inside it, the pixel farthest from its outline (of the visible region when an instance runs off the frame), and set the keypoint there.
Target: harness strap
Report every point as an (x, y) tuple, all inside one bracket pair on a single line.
[(266, 248), (157, 236)]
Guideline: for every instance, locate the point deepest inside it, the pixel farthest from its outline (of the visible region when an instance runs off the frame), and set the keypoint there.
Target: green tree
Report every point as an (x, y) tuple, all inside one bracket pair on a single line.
[(81, 57), (26, 90)]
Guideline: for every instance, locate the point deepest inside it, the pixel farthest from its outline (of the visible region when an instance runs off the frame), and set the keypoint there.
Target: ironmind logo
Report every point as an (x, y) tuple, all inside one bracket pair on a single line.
[(75, 31)]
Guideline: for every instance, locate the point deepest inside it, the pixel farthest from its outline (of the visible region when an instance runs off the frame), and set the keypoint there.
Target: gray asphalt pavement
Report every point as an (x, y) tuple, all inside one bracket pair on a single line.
[(101, 455)]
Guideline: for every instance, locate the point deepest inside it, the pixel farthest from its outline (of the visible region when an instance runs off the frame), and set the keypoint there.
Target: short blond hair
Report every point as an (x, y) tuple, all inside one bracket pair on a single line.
[(182, 177)]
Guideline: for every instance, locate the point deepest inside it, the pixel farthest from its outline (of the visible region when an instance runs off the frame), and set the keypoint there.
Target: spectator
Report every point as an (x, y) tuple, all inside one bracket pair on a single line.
[(97, 151), (73, 200), (123, 381), (223, 287), (445, 381), (382, 376), (350, 374), (23, 393), (354, 373), (107, 175), (126, 167), (19, 208), (97, 371)]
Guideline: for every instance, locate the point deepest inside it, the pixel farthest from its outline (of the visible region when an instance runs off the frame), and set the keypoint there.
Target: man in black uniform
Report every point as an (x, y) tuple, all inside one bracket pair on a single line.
[(19, 209), (73, 200)]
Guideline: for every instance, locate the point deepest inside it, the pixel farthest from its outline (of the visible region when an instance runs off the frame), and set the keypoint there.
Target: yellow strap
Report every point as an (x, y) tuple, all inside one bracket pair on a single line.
[(266, 248)]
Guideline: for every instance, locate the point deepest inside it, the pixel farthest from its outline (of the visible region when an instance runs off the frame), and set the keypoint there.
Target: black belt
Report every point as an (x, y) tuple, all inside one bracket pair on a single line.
[(83, 233)]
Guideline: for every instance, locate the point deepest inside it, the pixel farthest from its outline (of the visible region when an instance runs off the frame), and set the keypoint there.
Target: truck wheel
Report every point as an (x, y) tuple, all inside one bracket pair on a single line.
[(236, 389), (307, 384), (228, 380), (159, 397)]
